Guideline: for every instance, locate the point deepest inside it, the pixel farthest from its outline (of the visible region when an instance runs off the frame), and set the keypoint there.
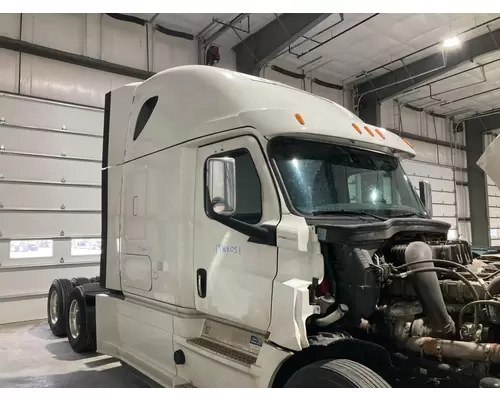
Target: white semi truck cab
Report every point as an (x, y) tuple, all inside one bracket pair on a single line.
[(256, 235)]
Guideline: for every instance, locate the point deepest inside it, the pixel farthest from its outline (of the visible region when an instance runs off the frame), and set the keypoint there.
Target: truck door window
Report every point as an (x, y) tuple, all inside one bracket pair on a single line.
[(248, 188)]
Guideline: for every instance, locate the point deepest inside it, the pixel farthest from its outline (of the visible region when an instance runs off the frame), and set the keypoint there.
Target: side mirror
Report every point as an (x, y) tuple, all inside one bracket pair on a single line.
[(221, 185), (426, 196)]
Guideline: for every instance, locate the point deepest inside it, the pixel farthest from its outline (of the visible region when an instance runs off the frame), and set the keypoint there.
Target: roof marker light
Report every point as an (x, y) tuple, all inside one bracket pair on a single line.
[(369, 131), (357, 128), (379, 133), (299, 118)]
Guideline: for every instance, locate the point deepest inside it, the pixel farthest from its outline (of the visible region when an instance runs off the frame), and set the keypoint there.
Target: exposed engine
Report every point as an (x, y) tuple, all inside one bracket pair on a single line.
[(403, 285)]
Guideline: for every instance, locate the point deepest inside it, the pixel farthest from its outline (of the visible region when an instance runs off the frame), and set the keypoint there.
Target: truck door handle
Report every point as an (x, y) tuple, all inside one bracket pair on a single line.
[(201, 279)]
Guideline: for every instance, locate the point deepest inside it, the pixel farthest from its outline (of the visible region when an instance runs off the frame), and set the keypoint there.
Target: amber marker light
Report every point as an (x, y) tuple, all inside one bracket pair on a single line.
[(299, 118)]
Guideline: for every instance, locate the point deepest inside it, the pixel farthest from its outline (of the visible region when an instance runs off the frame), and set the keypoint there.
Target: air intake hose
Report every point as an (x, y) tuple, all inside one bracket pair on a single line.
[(426, 287)]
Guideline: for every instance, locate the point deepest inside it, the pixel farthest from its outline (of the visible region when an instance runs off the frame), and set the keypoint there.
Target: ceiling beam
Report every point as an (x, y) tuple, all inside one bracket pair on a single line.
[(261, 47), (407, 75), (482, 124), (376, 90)]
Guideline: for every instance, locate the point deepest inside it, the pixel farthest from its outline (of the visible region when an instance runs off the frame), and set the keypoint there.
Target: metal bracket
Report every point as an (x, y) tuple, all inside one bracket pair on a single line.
[(492, 36), (373, 86), (406, 69), (61, 260), (62, 233), (218, 21)]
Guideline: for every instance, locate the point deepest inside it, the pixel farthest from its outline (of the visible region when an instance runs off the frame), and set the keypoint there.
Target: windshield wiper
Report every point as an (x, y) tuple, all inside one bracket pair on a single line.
[(347, 212), (408, 214)]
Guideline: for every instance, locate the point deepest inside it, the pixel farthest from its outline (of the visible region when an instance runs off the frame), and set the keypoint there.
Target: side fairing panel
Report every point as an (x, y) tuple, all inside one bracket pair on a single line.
[(117, 109), (157, 230)]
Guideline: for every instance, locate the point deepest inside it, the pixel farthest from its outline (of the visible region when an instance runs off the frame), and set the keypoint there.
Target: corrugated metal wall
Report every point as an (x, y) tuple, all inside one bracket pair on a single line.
[(493, 201), (434, 163), (50, 153)]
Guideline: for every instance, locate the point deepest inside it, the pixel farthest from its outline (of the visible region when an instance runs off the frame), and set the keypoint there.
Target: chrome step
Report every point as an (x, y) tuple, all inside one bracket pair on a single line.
[(224, 351)]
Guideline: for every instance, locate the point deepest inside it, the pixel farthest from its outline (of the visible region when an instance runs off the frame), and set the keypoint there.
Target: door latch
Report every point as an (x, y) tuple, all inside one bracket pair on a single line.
[(201, 278)]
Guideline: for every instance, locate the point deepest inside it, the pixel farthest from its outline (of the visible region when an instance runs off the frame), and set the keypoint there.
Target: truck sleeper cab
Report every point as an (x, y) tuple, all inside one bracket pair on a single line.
[(248, 229)]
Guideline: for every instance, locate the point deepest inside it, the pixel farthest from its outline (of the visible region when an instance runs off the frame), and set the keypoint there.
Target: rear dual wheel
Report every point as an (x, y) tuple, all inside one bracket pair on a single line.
[(79, 281), (57, 306), (81, 332)]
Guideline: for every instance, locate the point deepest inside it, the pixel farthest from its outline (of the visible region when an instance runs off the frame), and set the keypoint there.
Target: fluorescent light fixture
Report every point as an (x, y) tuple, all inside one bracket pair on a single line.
[(451, 42)]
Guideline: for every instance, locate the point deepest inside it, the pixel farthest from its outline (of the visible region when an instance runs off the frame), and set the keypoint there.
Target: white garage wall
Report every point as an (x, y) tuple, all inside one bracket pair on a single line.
[(50, 159), (493, 202), (338, 96), (434, 163), (85, 34), (49, 190)]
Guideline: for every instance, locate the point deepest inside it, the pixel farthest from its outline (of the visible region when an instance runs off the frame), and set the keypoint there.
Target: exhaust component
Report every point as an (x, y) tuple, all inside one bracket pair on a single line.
[(333, 317), (442, 348), (426, 287), (489, 382)]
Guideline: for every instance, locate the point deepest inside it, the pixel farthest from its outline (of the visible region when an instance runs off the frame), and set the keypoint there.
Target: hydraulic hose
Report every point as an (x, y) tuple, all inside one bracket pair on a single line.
[(451, 264), (492, 275), (472, 303)]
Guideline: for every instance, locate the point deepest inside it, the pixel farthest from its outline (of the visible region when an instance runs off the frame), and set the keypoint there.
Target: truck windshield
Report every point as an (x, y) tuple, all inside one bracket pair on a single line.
[(322, 178)]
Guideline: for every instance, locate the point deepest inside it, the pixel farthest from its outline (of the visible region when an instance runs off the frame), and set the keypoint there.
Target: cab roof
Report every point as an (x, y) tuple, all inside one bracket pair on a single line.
[(194, 101)]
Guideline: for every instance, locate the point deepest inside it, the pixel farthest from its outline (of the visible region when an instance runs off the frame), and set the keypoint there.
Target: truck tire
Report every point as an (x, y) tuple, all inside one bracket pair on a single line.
[(339, 373), (81, 334), (79, 281), (57, 306)]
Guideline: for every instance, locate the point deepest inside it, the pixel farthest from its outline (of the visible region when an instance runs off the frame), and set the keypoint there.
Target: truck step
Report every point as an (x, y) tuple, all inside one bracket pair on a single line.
[(224, 351)]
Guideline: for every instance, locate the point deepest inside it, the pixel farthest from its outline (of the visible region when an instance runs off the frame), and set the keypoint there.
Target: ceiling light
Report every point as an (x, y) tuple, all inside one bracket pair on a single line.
[(451, 42)]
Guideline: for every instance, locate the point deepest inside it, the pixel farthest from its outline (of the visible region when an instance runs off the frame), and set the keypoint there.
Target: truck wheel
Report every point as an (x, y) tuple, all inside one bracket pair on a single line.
[(79, 281), (81, 336), (336, 374), (57, 306)]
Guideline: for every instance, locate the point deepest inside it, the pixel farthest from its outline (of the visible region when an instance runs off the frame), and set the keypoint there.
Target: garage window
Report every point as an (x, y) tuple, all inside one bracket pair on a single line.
[(31, 248), (85, 247)]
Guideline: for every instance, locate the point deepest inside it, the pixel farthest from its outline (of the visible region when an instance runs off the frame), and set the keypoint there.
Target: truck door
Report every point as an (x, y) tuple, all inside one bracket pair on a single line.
[(234, 268)]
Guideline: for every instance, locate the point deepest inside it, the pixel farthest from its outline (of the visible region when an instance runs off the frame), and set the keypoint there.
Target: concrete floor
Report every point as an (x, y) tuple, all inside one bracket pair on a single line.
[(30, 356)]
